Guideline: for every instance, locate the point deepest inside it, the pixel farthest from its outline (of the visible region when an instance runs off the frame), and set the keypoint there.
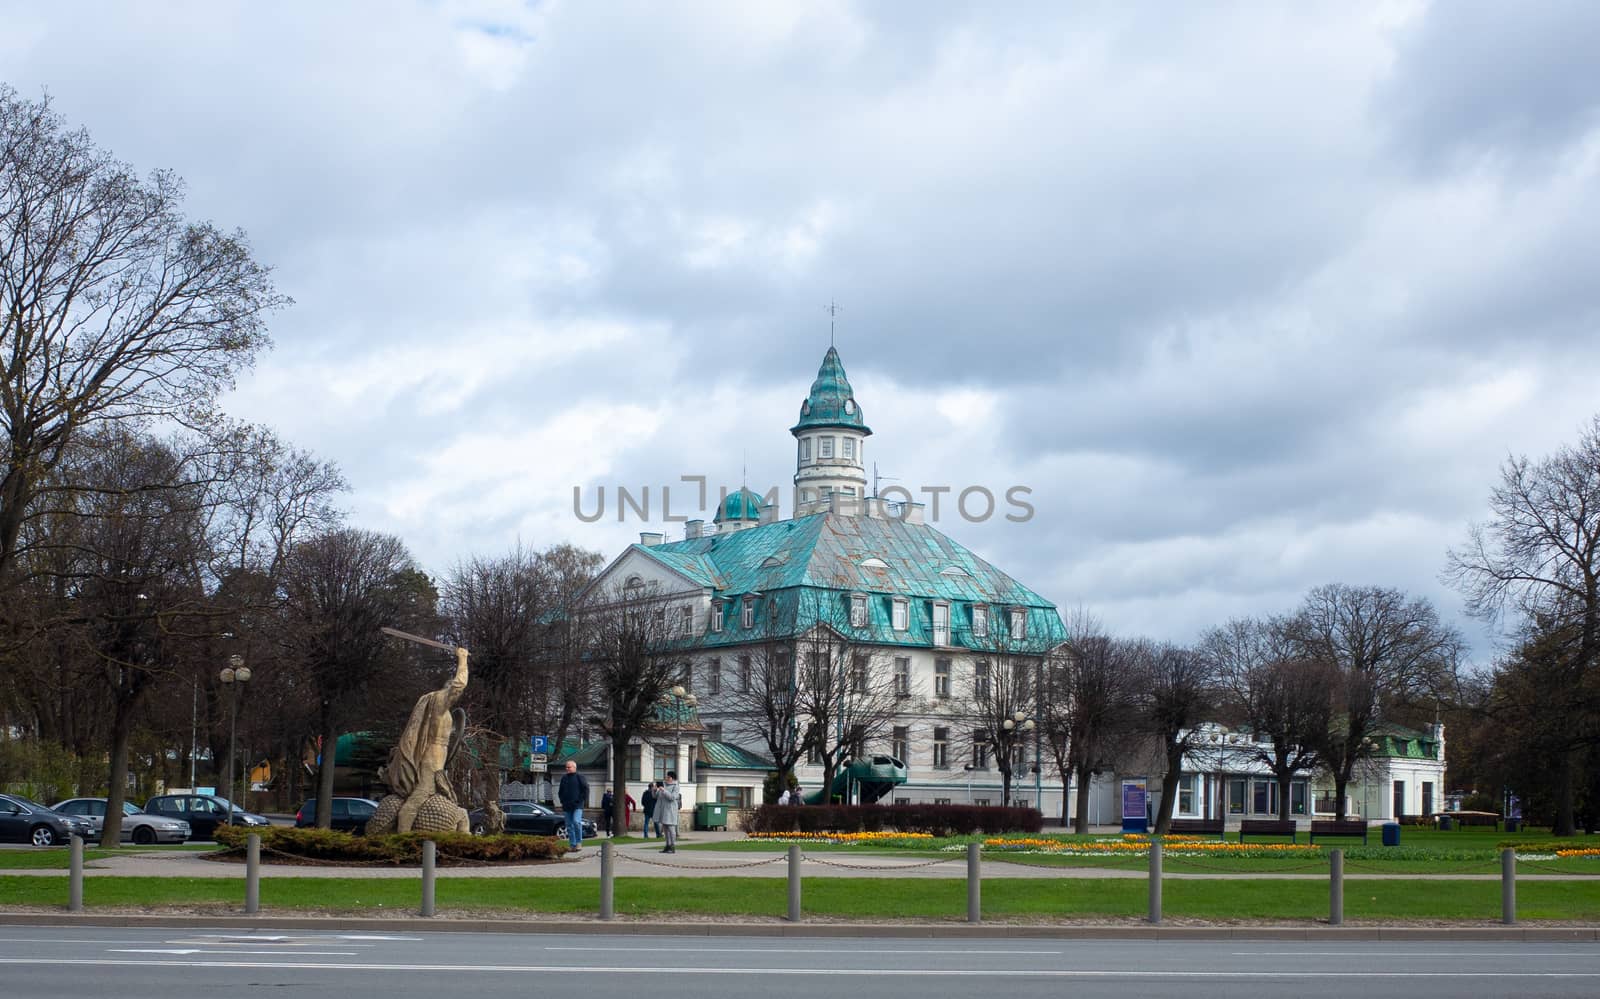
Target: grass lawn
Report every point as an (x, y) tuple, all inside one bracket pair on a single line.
[(852, 898), (60, 857)]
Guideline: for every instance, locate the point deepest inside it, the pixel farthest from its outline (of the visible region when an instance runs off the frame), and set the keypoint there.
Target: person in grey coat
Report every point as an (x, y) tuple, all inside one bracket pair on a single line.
[(668, 797)]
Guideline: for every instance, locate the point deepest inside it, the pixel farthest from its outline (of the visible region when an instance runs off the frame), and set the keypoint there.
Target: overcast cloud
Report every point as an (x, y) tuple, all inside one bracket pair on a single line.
[(1252, 297)]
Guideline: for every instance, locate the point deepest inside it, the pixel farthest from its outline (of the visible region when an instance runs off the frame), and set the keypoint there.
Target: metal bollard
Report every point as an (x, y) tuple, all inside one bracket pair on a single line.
[(794, 884), (1508, 886), (1336, 889), (974, 883), (75, 891), (607, 882), (429, 855), (1155, 881), (252, 874)]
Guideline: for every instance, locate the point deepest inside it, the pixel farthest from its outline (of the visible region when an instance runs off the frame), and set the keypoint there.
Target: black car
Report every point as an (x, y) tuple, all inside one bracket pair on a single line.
[(24, 821), (203, 812), (349, 814), (530, 819)]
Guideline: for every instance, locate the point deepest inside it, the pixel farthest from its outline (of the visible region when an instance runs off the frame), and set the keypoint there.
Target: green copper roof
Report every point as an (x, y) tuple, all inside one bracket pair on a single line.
[(832, 402), (727, 756), (803, 572), (742, 505)]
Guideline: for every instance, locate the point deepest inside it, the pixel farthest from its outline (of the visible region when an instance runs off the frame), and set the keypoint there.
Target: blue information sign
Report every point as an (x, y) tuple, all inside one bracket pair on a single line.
[(541, 744), (1135, 807)]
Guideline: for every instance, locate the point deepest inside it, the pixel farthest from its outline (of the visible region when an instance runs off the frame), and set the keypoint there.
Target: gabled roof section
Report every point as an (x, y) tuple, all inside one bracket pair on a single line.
[(727, 756)]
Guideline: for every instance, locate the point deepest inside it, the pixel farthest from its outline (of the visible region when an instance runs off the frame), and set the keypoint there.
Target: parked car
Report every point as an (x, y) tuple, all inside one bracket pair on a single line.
[(530, 819), (137, 826), (349, 814), (203, 812), (24, 821)]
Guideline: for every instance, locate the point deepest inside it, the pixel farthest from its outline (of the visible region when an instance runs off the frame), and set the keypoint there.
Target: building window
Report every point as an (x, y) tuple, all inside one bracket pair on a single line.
[(688, 678), (902, 677), (849, 447), (941, 624), (1019, 624), (980, 678), (1236, 789), (941, 801), (902, 801), (714, 676), (716, 615), (980, 620), (1297, 798), (900, 743), (858, 610), (744, 674), (814, 755), (734, 797), (713, 731), (805, 449), (980, 750), (634, 753), (666, 759), (1265, 799), (661, 621), (860, 667), (826, 447), (941, 749), (747, 614), (772, 612), (1186, 793), (982, 802), (941, 678), (902, 614), (686, 621)]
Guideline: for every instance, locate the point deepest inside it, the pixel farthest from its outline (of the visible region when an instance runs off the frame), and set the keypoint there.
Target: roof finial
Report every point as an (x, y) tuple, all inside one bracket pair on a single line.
[(834, 308), (744, 469)]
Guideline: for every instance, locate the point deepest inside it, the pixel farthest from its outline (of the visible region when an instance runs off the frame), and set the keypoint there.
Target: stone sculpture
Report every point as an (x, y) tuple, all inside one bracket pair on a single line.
[(421, 798)]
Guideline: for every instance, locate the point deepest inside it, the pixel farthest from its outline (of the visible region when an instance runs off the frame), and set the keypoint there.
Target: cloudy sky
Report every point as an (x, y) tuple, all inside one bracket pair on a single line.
[(1251, 297)]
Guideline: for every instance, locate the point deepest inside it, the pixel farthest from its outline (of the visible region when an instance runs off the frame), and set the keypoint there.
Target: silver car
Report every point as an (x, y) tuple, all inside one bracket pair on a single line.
[(137, 827)]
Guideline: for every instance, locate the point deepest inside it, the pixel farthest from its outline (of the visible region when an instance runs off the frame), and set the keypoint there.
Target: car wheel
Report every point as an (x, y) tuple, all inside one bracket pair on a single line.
[(144, 835), (43, 836)]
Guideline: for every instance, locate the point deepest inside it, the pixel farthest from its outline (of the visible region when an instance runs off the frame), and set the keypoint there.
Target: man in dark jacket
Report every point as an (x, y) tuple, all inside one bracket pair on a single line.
[(648, 804), (573, 794)]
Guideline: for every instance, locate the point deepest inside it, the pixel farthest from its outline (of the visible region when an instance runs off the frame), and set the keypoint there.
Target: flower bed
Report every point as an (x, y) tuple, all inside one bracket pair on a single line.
[(1138, 846), (882, 838)]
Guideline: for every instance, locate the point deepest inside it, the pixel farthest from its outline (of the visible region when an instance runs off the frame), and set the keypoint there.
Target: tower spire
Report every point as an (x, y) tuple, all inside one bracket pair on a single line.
[(834, 308)]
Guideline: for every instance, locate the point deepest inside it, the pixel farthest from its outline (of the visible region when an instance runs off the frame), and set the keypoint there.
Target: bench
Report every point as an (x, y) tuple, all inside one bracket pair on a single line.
[(1197, 827), (1268, 827), (1461, 819), (1338, 827)]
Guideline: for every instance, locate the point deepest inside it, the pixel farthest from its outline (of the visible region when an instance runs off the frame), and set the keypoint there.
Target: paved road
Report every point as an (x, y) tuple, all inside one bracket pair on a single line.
[(144, 963)]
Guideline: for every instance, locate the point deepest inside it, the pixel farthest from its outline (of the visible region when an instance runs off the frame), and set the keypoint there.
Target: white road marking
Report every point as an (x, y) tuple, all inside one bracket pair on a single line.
[(1451, 955), (524, 969), (796, 950), (298, 953)]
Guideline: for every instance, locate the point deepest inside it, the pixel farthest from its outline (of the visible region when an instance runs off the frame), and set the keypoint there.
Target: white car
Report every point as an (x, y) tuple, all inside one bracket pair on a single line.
[(137, 827)]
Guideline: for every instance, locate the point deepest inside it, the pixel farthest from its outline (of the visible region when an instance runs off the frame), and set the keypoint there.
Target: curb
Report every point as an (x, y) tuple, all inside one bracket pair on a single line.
[(1569, 934)]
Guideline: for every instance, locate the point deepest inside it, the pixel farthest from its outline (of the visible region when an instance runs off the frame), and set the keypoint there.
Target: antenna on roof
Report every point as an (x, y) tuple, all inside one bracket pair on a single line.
[(876, 477), (834, 308), (744, 468)]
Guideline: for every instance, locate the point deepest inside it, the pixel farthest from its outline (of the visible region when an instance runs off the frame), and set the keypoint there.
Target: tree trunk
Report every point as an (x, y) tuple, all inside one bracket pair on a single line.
[(619, 784), (1564, 825), (1169, 789), (1283, 795), (116, 793), (1340, 783), (1080, 819)]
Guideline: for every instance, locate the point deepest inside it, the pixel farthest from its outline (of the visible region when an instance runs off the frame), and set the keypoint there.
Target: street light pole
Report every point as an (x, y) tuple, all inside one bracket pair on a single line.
[(233, 676)]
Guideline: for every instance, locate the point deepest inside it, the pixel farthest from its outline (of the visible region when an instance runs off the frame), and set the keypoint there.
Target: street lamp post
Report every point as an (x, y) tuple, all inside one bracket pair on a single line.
[(233, 676), (683, 700), (1019, 721)]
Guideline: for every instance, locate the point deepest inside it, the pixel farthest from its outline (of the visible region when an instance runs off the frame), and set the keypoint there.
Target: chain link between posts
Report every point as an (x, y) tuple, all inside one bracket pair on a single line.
[(883, 867), (648, 862)]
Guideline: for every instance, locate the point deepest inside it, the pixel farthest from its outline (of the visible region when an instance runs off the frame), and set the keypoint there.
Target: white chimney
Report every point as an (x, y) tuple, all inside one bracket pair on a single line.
[(694, 529), (650, 538)]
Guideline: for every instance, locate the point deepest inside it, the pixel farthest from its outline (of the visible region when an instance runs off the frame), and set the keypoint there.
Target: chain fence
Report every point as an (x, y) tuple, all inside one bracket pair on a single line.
[(882, 867), (651, 862)]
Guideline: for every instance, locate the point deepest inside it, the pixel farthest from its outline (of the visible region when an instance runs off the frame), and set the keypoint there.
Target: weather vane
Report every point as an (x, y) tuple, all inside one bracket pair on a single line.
[(834, 308)]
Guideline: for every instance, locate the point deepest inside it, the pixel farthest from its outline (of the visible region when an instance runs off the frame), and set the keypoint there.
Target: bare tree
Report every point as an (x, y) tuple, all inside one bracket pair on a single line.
[(339, 589), (1002, 701), (1285, 700), (762, 697), (1179, 691), (112, 307), (634, 662), (1382, 650), (1089, 707), (1539, 554)]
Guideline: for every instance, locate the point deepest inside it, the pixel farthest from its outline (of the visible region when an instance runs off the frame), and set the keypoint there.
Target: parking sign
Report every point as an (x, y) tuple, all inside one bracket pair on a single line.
[(541, 744)]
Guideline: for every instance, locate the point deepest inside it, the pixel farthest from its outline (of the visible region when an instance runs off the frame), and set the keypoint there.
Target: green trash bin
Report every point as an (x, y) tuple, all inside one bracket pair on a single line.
[(711, 815)]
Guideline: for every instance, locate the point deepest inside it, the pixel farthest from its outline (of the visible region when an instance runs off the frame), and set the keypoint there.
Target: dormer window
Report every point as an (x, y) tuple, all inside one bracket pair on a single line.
[(716, 615), (772, 612), (980, 620), (686, 620), (747, 613), (858, 610), (874, 563), (1019, 624), (901, 614)]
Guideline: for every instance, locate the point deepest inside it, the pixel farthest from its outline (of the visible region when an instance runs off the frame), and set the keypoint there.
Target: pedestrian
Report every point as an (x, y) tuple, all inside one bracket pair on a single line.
[(607, 802), (649, 802), (668, 798), (573, 794), (628, 805), (797, 798), (783, 799)]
